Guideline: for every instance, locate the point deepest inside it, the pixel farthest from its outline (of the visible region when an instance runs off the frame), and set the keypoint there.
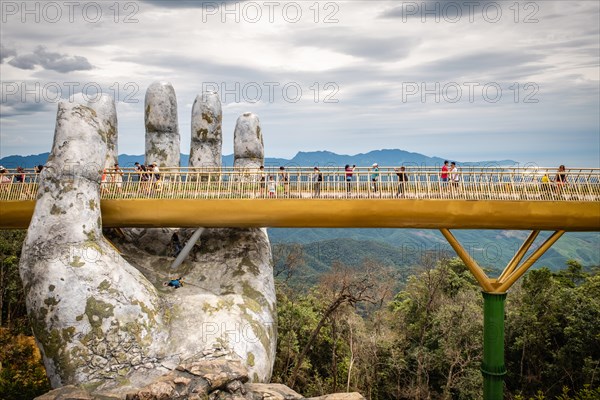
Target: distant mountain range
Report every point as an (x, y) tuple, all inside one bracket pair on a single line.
[(310, 158)]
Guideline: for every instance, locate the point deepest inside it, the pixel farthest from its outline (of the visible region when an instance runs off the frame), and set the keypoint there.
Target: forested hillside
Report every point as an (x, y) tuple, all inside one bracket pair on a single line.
[(403, 248)]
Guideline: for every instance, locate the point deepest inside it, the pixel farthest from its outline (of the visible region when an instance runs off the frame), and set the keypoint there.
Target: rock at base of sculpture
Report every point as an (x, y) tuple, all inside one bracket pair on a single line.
[(198, 380)]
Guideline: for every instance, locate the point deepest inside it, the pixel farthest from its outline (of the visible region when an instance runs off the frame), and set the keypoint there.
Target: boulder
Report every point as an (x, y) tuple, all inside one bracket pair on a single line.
[(273, 391)]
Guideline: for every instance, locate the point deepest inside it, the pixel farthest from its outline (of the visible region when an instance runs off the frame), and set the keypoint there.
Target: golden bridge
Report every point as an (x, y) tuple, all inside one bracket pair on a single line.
[(480, 198), (474, 198)]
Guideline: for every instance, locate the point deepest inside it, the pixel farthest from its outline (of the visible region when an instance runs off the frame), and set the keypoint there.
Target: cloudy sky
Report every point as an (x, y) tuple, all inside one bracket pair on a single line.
[(466, 81)]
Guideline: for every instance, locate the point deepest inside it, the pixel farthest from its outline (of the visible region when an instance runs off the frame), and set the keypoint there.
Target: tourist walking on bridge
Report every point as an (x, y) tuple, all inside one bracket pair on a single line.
[(445, 169), (118, 176), (272, 187), (317, 178), (454, 174), (284, 180), (138, 170), (261, 174), (561, 178), (3, 177), (402, 180), (349, 171), (375, 177)]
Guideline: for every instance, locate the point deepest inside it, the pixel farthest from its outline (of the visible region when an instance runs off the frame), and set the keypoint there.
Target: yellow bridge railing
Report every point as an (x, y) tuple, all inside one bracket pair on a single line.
[(469, 183)]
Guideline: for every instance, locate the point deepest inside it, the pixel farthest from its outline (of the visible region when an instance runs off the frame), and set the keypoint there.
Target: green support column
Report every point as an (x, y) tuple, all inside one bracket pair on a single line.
[(492, 366)]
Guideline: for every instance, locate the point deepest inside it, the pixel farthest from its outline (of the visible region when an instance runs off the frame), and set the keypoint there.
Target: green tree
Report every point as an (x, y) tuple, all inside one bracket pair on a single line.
[(553, 332), (440, 313), (22, 375), (13, 312)]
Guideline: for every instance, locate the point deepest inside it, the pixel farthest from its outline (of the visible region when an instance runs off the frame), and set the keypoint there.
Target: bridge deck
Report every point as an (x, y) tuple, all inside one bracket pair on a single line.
[(480, 199)]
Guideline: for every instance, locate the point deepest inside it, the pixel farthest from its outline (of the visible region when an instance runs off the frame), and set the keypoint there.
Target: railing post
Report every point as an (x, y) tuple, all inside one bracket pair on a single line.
[(492, 367)]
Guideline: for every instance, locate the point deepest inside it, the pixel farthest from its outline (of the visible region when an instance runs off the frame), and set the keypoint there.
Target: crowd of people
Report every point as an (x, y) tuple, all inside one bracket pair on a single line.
[(278, 181)]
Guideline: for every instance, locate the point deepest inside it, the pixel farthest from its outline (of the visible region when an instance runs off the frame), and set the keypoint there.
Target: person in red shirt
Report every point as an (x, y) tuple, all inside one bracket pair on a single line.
[(445, 170)]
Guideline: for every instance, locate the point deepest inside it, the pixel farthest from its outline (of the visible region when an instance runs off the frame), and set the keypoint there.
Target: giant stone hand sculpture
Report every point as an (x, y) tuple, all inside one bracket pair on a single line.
[(106, 320)]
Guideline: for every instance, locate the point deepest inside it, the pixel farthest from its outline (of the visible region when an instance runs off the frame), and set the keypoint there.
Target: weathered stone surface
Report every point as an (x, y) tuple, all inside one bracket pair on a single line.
[(207, 137), (83, 299), (99, 320), (157, 391), (241, 317), (107, 114), (200, 380), (226, 309), (217, 373), (272, 391), (162, 129), (248, 144), (339, 396), (69, 392), (228, 276)]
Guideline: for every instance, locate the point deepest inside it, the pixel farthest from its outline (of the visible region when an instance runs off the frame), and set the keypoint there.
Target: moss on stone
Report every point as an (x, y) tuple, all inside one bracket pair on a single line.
[(91, 235), (227, 289), (92, 205), (68, 333), (146, 310), (149, 126), (56, 210), (250, 292), (91, 244), (222, 304), (250, 359), (76, 263), (51, 301), (202, 133), (51, 288), (207, 117), (250, 267), (54, 344), (259, 329), (104, 285), (92, 385), (111, 132), (97, 310)]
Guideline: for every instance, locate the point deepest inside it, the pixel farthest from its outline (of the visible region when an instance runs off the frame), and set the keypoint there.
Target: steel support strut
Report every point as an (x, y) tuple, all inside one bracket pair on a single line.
[(494, 294), (492, 366)]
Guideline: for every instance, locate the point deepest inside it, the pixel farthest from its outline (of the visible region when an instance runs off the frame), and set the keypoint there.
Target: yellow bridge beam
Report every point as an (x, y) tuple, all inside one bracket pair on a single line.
[(331, 213)]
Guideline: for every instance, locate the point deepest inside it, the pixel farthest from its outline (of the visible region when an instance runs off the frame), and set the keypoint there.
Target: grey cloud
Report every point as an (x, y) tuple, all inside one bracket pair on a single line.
[(189, 3), (15, 108), (51, 61), (431, 9), (500, 64), (6, 52), (344, 40)]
